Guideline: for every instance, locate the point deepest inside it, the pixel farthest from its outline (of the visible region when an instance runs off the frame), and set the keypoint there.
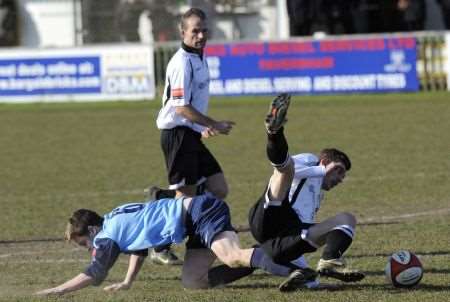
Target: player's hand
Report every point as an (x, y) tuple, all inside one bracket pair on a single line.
[(117, 286), (209, 132), (333, 165), (224, 127)]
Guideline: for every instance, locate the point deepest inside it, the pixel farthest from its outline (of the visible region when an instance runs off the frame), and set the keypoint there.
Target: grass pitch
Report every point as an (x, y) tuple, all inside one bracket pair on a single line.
[(56, 158)]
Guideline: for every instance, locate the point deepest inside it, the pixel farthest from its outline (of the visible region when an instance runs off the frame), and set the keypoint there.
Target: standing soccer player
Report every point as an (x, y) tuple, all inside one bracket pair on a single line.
[(183, 120)]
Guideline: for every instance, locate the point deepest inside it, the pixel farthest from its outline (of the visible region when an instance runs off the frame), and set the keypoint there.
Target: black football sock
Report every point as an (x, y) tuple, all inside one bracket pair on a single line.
[(337, 243), (223, 274), (277, 148), (165, 193), (261, 260), (161, 248)]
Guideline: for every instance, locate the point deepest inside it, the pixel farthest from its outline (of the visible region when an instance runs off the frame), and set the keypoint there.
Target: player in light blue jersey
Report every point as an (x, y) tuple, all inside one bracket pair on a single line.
[(133, 228)]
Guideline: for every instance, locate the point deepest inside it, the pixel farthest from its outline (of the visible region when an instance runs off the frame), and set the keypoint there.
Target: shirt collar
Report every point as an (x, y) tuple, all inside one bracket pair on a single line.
[(192, 49)]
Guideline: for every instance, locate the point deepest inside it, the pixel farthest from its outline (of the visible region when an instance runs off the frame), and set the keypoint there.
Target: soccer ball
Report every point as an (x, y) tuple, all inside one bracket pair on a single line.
[(404, 269)]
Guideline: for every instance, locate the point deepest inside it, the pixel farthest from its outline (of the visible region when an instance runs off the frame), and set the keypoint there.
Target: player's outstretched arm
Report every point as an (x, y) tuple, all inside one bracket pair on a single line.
[(134, 266), (78, 282), (216, 127)]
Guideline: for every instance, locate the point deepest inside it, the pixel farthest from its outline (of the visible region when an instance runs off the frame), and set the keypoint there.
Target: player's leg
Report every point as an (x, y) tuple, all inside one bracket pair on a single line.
[(217, 185), (197, 273), (197, 263), (217, 233), (164, 255), (227, 249), (277, 149), (180, 146), (280, 181), (210, 170), (302, 263), (208, 219), (336, 233)]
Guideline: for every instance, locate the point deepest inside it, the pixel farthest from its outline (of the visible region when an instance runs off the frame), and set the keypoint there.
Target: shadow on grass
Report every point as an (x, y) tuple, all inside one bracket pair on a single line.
[(351, 287), (377, 223)]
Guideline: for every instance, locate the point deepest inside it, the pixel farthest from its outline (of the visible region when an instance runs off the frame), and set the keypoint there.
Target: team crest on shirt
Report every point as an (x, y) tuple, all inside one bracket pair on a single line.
[(177, 93), (202, 85)]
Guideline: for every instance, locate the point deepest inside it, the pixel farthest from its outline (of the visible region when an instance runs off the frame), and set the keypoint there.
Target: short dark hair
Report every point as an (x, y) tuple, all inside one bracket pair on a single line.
[(79, 222), (332, 154), (192, 12)]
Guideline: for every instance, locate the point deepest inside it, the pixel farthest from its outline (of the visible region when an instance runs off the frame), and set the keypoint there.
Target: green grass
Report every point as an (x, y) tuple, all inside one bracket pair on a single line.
[(55, 158)]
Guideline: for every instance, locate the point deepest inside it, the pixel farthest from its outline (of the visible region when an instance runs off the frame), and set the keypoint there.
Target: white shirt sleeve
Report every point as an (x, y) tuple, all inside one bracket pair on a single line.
[(198, 128), (309, 171), (180, 81)]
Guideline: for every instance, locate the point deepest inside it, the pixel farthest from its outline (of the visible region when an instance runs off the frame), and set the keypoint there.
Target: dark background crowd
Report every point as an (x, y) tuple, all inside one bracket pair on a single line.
[(106, 21), (359, 16)]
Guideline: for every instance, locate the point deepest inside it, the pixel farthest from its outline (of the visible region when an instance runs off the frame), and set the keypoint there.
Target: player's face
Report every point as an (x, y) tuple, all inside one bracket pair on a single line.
[(84, 241), (333, 177), (195, 32)]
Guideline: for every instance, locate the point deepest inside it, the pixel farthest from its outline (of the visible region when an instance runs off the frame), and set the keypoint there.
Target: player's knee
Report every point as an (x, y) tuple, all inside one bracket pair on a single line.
[(347, 218), (233, 263), (220, 193), (191, 282), (232, 260), (288, 168), (277, 255)]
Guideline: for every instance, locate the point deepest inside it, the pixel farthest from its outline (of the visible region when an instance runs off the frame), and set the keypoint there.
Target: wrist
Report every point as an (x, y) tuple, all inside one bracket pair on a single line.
[(212, 124), (58, 291)]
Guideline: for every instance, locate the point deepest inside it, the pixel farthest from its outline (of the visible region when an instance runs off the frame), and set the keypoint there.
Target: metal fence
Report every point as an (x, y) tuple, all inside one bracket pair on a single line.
[(431, 59)]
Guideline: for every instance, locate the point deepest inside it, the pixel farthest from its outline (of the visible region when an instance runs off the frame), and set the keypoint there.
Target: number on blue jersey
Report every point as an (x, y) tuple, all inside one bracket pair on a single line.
[(129, 208)]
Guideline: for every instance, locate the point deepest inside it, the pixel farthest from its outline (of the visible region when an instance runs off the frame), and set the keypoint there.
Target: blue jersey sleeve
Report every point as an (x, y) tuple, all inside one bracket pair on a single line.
[(103, 258)]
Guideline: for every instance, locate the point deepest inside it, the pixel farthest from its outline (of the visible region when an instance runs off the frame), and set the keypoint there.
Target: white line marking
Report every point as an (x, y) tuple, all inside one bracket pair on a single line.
[(372, 219), (406, 216), (30, 253)]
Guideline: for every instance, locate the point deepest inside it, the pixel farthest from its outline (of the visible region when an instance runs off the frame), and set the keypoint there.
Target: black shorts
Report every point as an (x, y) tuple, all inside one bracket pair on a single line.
[(188, 161), (278, 230)]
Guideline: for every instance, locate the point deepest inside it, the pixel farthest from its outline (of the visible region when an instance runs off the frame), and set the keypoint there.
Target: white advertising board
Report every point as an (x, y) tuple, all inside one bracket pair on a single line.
[(103, 73)]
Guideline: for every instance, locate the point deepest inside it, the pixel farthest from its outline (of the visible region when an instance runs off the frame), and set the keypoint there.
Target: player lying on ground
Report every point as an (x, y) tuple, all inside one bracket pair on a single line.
[(133, 228), (282, 220)]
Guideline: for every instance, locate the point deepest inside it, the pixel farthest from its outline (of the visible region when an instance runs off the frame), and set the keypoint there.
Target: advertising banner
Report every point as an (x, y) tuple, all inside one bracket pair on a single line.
[(313, 67), (93, 73)]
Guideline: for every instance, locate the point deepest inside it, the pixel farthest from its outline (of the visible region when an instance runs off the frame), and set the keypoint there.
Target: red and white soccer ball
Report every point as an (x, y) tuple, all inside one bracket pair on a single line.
[(404, 269)]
